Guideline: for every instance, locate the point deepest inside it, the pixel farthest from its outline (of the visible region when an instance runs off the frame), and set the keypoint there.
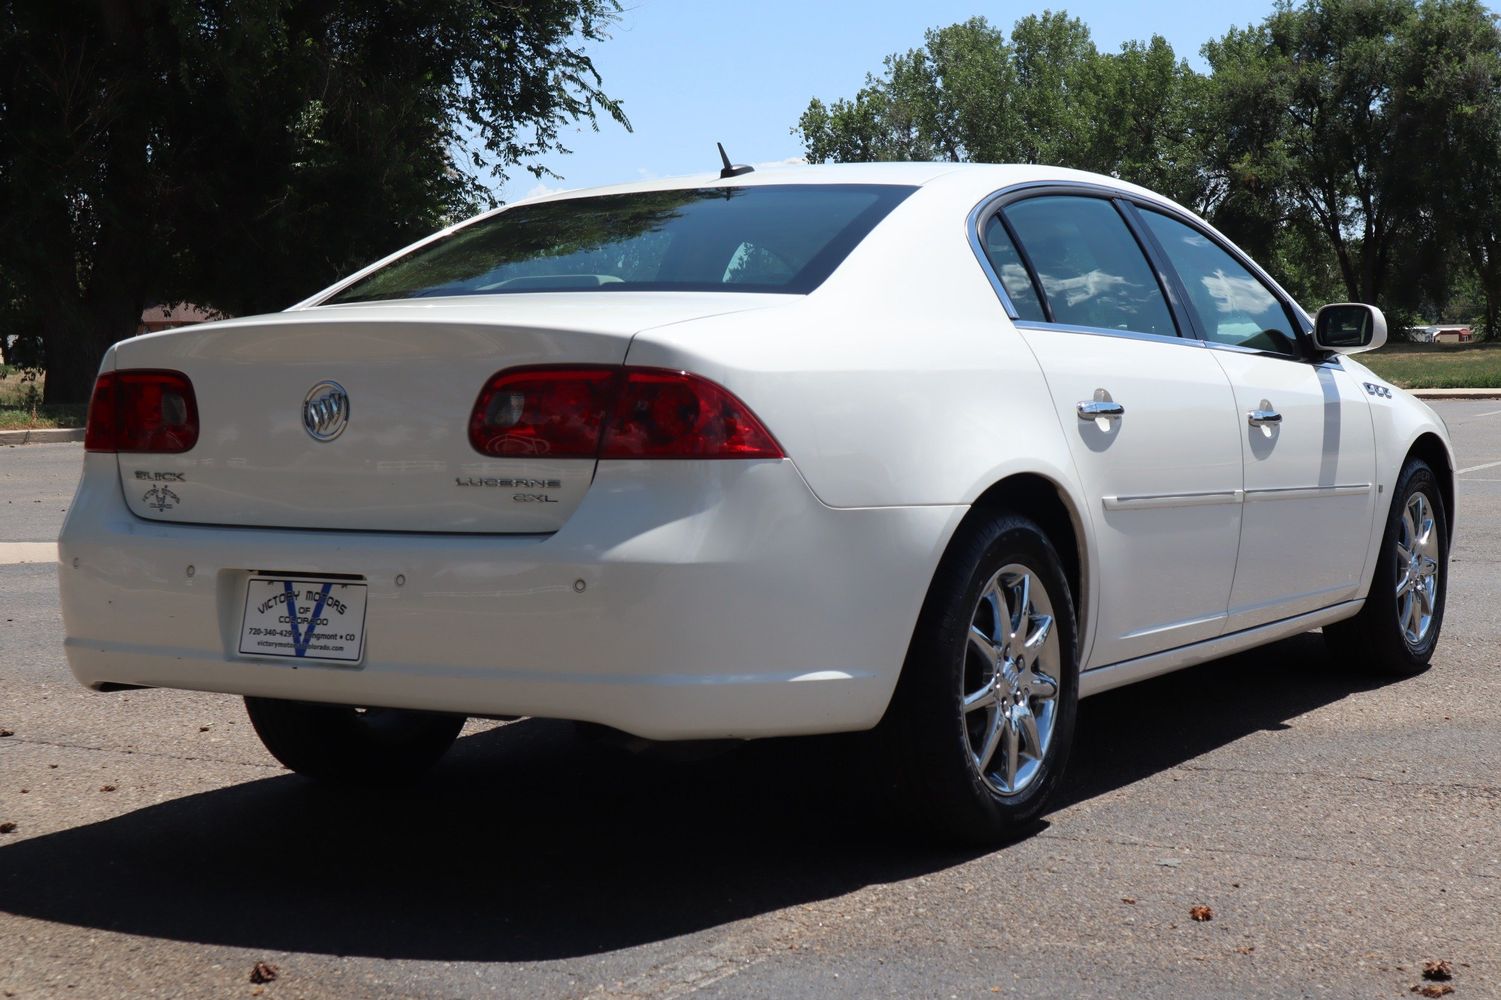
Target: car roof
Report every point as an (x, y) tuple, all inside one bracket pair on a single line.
[(964, 179)]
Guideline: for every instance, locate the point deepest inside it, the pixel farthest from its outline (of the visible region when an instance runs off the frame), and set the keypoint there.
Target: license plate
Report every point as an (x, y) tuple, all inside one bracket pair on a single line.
[(304, 619)]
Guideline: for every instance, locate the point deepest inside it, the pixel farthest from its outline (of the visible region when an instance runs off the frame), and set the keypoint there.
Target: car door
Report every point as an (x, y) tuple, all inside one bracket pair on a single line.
[(1307, 443), (1148, 415)]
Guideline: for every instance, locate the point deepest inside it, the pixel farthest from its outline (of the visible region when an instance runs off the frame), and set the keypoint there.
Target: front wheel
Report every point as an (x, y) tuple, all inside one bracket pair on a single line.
[(981, 723), (347, 745), (1397, 630)]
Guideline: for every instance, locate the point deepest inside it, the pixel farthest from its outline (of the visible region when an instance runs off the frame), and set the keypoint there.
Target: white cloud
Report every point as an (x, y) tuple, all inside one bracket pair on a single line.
[(540, 190)]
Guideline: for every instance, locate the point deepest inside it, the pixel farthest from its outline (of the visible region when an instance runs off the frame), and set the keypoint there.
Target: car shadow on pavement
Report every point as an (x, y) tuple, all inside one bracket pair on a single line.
[(529, 843)]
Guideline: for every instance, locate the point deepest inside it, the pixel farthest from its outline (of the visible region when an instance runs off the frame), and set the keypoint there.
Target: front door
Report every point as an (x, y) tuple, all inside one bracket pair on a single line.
[(1305, 434)]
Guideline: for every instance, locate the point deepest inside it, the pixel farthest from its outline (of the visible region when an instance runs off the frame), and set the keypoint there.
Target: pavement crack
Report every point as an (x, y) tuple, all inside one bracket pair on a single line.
[(154, 754), (1489, 791), (1265, 855)]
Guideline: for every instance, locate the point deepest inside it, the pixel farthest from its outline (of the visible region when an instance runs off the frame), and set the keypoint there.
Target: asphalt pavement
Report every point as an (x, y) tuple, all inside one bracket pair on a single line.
[(1342, 831)]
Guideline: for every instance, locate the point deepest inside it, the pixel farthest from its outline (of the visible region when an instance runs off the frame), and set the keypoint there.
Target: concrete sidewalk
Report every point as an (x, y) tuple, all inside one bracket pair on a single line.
[(42, 435), (1456, 393)]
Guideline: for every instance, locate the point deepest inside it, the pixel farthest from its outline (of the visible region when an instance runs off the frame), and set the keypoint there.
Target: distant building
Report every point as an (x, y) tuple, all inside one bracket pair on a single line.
[(1441, 334), (168, 316)]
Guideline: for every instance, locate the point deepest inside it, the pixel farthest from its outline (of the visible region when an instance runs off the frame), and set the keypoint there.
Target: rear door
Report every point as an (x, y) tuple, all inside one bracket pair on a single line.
[(1305, 432), (1148, 415)]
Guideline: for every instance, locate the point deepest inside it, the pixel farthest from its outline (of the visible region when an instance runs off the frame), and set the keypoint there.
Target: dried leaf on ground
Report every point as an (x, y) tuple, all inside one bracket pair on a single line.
[(1128, 899), (1439, 971), (1433, 990), (7, 827), (106, 788), (1201, 913), (1245, 949), (7, 732), (263, 972)]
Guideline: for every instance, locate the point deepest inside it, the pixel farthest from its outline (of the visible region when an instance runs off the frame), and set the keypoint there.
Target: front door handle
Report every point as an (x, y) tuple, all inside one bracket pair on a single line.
[(1092, 409), (1263, 417)]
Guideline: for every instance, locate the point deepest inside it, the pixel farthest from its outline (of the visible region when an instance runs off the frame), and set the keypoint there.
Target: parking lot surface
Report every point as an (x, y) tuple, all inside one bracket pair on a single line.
[(1342, 831)]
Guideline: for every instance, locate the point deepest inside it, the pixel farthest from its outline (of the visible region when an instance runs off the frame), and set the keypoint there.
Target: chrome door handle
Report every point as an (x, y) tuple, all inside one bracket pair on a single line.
[(1092, 408), (1261, 418)]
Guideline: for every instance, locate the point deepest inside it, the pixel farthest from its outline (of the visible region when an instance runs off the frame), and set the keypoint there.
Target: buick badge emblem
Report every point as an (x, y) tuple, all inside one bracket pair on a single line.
[(325, 411)]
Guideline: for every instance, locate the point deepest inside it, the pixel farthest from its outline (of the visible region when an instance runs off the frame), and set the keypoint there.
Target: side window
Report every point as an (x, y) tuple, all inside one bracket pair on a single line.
[(1012, 272), (1231, 304), (1091, 268)]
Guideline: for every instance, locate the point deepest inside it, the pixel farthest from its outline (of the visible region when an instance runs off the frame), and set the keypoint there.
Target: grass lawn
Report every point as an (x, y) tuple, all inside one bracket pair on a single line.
[(1437, 366), (21, 407)]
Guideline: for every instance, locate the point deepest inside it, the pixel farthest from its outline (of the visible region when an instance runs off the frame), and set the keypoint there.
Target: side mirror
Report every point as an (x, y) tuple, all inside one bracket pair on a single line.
[(1349, 328)]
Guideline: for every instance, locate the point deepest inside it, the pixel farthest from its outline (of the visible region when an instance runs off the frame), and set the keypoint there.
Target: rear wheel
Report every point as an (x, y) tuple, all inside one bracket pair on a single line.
[(1397, 630), (982, 720), (343, 744)]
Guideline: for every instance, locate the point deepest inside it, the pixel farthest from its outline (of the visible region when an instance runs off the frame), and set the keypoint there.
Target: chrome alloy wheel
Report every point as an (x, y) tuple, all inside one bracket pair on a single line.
[(1417, 569), (1010, 680)]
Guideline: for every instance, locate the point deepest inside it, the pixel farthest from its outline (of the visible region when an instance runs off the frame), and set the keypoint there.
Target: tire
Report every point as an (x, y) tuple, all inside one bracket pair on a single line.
[(346, 745), (977, 744), (1397, 630)]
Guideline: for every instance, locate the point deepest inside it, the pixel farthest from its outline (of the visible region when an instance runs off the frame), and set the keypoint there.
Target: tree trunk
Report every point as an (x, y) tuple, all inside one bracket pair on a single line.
[(74, 341)]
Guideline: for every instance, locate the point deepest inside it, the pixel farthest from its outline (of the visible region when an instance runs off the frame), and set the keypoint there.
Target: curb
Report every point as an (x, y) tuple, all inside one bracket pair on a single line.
[(44, 435), (1455, 393)]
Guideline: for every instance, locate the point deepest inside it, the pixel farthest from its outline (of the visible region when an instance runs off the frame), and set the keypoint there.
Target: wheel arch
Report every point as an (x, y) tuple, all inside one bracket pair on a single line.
[(1049, 504), (1429, 447)]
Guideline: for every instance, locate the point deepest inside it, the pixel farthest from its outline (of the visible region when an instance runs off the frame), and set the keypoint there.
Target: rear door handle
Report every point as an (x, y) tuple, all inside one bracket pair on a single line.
[(1261, 418)]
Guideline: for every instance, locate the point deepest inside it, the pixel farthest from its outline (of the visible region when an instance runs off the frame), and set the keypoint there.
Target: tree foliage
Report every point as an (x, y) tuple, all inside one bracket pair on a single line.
[(243, 153), (1352, 145)]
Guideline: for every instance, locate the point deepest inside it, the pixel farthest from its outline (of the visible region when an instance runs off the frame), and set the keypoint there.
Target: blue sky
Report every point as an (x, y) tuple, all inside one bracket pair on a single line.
[(691, 72)]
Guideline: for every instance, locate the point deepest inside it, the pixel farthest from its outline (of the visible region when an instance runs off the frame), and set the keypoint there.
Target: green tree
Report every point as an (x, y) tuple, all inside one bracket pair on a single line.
[(1322, 116), (243, 153), (1046, 95)]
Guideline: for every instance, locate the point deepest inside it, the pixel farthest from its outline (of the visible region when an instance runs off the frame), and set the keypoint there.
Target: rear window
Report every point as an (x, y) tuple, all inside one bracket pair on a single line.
[(775, 238)]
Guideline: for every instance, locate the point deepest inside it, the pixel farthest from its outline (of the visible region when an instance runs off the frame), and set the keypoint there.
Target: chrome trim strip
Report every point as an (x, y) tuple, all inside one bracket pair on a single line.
[(977, 217), (1304, 492), (1151, 501), (1100, 331), (1100, 679)]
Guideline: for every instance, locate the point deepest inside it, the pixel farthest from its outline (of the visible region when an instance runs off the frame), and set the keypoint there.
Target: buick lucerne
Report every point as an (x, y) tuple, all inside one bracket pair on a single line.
[(928, 449)]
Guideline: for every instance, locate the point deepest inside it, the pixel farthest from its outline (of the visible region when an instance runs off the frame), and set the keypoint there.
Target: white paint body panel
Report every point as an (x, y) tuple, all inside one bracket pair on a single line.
[(1165, 565), (1310, 488), (701, 599)]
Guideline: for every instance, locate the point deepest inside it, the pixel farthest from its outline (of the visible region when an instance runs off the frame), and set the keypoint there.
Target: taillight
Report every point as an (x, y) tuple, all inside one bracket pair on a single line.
[(610, 412), (142, 411)]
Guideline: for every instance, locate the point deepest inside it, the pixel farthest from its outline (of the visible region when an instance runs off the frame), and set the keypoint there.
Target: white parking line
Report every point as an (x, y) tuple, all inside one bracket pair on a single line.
[(27, 552), (1477, 468), (1489, 413)]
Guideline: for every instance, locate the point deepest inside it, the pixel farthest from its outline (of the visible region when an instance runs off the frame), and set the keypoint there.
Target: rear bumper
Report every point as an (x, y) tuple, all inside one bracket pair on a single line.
[(681, 600)]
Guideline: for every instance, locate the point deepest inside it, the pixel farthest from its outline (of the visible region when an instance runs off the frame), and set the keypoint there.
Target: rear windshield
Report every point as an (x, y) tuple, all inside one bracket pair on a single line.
[(775, 238)]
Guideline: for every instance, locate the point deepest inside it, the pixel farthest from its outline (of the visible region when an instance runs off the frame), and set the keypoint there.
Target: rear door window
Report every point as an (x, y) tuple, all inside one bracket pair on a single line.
[(1092, 271)]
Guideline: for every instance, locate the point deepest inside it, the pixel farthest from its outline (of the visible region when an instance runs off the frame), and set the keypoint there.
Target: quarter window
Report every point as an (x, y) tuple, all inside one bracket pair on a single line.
[(1090, 267), (1012, 272), (1231, 304)]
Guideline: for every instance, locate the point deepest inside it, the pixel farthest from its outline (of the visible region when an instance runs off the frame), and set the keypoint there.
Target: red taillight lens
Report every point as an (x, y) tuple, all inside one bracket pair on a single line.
[(609, 412), (667, 414), (142, 411), (542, 412)]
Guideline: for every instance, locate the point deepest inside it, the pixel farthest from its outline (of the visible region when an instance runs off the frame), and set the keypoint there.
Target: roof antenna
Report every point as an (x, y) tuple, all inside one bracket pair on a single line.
[(731, 170)]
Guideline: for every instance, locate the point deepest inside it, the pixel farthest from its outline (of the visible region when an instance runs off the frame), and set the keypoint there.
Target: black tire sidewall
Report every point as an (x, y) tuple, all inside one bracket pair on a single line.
[(1389, 641), (935, 742)]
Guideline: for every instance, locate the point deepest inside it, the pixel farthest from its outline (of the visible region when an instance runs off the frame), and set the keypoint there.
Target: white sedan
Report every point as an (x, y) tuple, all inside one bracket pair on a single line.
[(925, 448)]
